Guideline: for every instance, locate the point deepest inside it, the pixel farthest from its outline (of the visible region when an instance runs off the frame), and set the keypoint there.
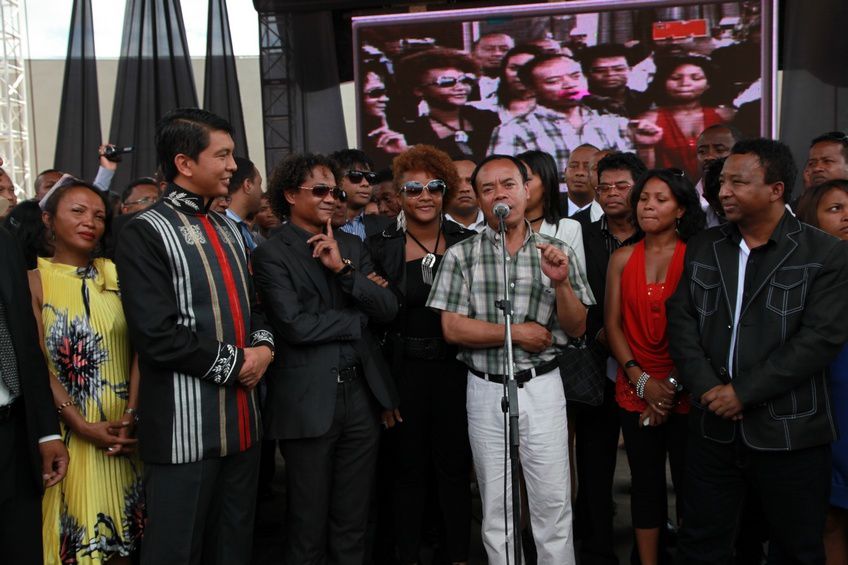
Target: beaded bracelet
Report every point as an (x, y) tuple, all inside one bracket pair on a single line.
[(640, 384), (64, 405)]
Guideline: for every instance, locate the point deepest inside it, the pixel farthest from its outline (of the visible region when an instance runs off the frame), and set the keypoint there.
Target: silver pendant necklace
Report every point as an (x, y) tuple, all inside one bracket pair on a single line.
[(429, 262)]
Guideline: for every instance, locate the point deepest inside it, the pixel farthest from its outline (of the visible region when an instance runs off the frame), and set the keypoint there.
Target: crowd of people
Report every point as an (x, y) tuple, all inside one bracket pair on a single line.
[(158, 346), (503, 96)]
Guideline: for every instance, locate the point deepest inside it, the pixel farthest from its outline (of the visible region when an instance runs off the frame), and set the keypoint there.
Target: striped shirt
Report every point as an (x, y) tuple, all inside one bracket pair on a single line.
[(187, 295), (469, 282), (356, 226)]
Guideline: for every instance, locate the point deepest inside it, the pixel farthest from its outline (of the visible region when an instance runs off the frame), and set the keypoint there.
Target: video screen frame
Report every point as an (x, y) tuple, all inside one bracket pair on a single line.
[(468, 23)]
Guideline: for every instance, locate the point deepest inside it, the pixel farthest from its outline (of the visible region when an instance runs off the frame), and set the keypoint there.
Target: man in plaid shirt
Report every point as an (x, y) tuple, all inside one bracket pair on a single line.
[(559, 123), (550, 296)]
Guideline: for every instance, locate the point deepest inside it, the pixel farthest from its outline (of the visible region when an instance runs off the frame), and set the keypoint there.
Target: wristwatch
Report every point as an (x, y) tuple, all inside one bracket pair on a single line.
[(348, 267)]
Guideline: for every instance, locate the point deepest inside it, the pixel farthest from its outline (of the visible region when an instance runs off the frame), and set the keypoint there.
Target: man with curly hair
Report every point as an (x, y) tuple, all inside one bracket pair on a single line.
[(316, 287)]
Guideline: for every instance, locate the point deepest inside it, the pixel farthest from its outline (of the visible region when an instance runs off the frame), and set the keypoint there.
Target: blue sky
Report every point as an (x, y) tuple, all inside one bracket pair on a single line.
[(48, 22)]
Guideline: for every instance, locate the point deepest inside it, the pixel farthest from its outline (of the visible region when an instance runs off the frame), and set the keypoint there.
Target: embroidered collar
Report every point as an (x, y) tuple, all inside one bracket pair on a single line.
[(184, 201)]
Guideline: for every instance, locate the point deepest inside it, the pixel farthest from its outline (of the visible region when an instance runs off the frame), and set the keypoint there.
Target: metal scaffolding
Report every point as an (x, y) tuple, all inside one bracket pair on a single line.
[(14, 138), (279, 88)]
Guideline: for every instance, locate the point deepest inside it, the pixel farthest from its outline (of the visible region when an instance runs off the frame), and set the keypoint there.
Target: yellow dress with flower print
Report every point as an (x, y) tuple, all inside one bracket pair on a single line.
[(97, 512)]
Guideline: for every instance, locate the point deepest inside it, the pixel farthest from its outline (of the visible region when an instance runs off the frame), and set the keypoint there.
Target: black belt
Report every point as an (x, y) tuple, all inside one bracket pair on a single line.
[(8, 411), (425, 348), (521, 377), (349, 374)]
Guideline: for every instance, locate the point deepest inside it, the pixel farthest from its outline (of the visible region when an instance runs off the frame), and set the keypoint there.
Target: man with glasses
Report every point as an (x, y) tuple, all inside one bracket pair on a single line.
[(140, 194), (357, 182), (549, 296), (597, 427), (561, 122), (326, 392)]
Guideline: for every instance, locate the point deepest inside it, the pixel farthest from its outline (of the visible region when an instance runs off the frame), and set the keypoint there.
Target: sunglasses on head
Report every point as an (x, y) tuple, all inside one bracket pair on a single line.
[(414, 189), (449, 82), (356, 176), (376, 93), (322, 190)]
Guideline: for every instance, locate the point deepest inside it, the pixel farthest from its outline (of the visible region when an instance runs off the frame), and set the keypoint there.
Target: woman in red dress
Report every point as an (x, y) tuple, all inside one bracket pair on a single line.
[(653, 410), (679, 117)]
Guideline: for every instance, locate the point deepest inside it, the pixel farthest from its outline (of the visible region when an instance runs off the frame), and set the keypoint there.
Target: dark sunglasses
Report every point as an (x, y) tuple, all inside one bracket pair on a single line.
[(448, 82), (414, 189), (357, 176), (376, 93), (322, 190)]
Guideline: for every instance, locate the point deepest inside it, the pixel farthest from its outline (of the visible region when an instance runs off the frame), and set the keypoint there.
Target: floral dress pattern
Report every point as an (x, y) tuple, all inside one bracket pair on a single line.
[(97, 512)]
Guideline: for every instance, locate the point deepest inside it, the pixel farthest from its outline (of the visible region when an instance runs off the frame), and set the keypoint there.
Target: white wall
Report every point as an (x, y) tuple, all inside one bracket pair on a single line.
[(45, 95)]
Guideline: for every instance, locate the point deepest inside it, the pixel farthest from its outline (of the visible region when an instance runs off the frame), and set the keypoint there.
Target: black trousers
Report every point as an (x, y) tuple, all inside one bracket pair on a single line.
[(429, 448), (329, 481), (793, 487), (647, 448), (20, 498), (596, 431), (201, 512)]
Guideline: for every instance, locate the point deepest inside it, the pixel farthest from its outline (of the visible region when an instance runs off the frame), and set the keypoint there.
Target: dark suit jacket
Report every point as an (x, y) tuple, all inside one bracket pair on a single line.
[(41, 419), (375, 224), (790, 328), (115, 228), (295, 294)]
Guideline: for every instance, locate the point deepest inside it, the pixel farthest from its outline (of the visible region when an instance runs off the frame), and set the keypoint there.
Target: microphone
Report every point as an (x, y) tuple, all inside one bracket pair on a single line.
[(501, 210)]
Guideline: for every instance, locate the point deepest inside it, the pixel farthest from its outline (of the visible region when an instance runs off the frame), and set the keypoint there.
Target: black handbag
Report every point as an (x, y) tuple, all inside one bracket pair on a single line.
[(583, 371)]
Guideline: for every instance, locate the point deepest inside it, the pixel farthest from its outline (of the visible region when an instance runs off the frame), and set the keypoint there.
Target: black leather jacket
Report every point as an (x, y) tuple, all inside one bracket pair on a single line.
[(793, 322)]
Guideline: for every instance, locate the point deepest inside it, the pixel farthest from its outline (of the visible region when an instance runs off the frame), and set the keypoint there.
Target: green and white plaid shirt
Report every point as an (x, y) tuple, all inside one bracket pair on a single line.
[(550, 131), (469, 282)]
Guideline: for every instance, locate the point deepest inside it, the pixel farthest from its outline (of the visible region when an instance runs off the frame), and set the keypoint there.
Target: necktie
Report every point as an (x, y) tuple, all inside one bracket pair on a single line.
[(247, 236), (8, 361)]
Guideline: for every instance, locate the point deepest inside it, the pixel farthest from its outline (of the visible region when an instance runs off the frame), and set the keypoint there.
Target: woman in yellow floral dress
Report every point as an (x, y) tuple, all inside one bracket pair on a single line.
[(96, 514)]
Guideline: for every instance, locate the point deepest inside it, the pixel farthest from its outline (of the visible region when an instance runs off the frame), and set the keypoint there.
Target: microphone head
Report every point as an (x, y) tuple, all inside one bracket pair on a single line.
[(501, 210)]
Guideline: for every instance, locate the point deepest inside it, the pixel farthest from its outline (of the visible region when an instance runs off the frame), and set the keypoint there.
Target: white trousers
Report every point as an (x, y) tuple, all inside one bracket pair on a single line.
[(543, 450)]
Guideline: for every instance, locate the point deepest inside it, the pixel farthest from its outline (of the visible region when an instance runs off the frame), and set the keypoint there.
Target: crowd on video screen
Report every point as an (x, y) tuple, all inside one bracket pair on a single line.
[(645, 80)]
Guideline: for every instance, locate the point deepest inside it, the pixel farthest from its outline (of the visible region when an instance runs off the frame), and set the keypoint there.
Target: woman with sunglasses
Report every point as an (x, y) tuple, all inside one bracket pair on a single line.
[(96, 514), (826, 207), (431, 382), (653, 411), (442, 79), (380, 142)]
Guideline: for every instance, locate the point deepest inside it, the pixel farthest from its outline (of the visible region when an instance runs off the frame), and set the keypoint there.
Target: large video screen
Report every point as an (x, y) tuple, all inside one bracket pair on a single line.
[(645, 76)]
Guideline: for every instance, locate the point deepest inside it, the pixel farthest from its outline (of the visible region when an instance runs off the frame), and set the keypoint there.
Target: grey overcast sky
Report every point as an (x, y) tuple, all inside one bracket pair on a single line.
[(48, 22)]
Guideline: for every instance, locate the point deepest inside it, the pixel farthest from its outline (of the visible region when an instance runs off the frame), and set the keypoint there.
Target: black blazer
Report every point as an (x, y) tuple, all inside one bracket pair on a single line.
[(295, 294), (388, 252), (375, 223), (41, 418), (597, 261), (790, 328)]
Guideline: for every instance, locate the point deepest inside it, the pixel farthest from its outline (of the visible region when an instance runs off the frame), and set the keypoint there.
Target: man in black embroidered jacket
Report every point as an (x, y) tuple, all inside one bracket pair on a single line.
[(757, 317), (325, 391), (187, 295)]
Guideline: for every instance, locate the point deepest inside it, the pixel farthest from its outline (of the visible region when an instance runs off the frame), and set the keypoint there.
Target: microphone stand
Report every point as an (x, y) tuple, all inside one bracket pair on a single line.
[(509, 406)]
